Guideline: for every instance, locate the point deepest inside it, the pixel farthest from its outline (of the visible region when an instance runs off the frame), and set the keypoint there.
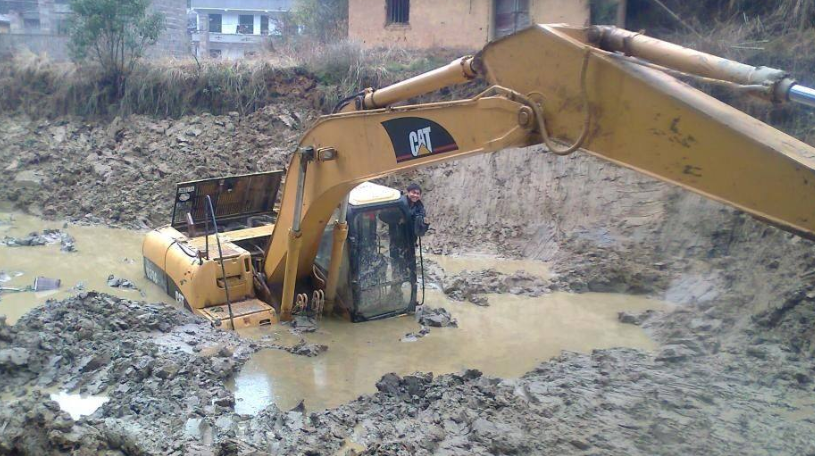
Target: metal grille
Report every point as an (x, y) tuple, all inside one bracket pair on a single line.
[(233, 197), (398, 11)]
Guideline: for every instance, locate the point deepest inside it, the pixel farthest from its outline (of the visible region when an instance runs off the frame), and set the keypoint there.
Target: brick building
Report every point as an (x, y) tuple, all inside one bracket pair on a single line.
[(41, 26), (467, 24)]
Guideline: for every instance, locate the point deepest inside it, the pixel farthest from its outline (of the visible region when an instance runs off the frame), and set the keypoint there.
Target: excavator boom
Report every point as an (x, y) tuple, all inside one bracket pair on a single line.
[(606, 91), (576, 85), (646, 120)]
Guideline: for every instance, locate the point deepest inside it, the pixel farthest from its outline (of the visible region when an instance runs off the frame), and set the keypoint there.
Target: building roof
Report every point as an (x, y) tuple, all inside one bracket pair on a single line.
[(245, 5)]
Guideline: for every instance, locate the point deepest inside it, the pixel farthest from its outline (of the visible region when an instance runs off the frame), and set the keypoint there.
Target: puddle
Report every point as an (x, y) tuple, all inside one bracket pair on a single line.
[(100, 252), (507, 339), (78, 405), (458, 264)]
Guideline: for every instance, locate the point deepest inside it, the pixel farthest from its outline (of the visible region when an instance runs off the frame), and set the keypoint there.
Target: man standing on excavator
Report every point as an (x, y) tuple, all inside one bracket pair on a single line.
[(417, 212)]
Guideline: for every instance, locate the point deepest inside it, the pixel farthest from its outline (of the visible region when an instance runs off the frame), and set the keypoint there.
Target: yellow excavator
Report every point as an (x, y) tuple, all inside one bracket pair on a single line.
[(334, 243)]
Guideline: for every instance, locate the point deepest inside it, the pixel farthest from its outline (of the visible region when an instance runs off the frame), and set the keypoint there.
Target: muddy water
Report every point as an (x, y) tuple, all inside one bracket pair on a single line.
[(458, 264), (506, 339), (100, 252)]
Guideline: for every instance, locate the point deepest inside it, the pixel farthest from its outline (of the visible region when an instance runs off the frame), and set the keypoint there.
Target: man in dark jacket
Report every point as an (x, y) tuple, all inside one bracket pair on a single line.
[(417, 212)]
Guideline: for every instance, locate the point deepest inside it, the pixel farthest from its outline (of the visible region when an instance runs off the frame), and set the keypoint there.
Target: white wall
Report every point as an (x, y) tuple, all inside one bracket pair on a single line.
[(229, 23)]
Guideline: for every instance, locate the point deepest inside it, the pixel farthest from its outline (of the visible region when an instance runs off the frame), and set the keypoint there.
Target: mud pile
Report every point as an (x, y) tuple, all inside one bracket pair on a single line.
[(158, 365), (163, 371), (597, 269), (124, 172), (47, 237), (610, 402)]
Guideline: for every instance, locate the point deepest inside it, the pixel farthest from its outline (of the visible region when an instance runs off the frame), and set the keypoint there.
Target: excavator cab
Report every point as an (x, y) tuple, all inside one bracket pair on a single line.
[(378, 269), (378, 265)]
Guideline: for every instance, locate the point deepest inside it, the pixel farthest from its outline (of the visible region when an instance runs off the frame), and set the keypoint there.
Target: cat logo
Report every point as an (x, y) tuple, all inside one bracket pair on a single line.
[(415, 137), (420, 142)]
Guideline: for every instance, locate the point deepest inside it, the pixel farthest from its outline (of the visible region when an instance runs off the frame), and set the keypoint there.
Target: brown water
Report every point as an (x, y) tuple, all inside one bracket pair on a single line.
[(457, 264), (100, 252), (506, 339)]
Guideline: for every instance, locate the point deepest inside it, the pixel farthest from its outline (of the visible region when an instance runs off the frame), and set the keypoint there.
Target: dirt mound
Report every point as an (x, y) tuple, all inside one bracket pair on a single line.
[(597, 269), (156, 364), (610, 402), (124, 173), (164, 373)]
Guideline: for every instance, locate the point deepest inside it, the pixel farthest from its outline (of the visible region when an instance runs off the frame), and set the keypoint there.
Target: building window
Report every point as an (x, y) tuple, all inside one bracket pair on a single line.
[(215, 23), (215, 53), (63, 26), (246, 24), (31, 25), (264, 25), (398, 11)]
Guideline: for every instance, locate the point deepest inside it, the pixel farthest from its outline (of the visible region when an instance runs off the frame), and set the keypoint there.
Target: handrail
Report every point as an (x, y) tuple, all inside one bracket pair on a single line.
[(221, 255)]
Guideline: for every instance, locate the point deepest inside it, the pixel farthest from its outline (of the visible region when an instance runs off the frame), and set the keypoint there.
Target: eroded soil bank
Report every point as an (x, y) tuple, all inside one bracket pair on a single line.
[(165, 372), (733, 372)]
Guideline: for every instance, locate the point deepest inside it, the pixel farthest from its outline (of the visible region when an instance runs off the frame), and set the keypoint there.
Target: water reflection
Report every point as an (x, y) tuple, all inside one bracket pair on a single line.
[(78, 405)]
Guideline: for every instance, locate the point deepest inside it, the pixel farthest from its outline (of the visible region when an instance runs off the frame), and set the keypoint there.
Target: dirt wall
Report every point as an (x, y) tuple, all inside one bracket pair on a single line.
[(528, 203)]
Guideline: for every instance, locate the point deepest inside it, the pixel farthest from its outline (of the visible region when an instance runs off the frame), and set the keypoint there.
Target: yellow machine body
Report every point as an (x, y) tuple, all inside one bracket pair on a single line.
[(548, 81), (171, 261)]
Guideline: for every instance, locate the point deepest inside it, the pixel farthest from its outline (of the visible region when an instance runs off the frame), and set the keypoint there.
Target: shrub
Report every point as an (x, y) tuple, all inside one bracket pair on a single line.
[(114, 34)]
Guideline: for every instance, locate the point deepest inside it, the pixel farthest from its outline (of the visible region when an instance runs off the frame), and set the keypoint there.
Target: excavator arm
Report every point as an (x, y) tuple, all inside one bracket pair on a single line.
[(581, 86)]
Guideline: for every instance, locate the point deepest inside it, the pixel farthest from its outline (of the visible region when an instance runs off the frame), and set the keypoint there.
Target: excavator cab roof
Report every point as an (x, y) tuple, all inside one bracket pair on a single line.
[(370, 193)]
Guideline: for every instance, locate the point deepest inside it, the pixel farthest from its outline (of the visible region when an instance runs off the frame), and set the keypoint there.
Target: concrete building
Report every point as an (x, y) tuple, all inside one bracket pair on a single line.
[(233, 29), (466, 24), (41, 26)]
